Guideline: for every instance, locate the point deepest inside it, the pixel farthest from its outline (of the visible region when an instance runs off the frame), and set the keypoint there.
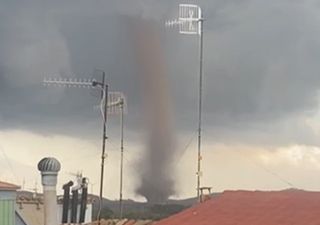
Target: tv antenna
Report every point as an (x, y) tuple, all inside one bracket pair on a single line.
[(105, 109), (34, 190), (190, 21)]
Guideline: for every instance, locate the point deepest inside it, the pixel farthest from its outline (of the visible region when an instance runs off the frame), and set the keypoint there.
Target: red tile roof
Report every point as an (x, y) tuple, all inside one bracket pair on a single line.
[(123, 222), (289, 207), (4, 186)]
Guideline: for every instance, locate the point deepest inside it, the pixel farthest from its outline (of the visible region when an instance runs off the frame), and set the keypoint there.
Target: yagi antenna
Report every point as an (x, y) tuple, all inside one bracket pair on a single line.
[(188, 22), (117, 103), (116, 100), (69, 82)]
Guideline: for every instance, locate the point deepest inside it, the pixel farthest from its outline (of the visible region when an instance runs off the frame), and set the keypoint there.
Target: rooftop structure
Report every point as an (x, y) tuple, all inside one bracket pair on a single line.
[(7, 203), (4, 186), (31, 209), (289, 207), (49, 168), (31, 212), (49, 164)]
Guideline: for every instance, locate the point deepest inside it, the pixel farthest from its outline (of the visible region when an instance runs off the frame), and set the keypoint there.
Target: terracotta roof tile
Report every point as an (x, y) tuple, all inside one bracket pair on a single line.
[(130, 222), (289, 207), (4, 186), (124, 222)]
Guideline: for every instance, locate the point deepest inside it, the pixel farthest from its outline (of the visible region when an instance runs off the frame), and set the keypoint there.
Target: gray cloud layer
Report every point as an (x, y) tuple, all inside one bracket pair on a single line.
[(261, 66)]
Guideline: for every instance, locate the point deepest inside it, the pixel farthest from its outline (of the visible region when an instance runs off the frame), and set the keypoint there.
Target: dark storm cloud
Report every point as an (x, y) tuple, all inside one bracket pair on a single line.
[(260, 69), (261, 65), (48, 38)]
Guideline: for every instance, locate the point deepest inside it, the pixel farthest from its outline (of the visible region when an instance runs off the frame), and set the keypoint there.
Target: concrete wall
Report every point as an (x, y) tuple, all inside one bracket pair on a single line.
[(19, 220)]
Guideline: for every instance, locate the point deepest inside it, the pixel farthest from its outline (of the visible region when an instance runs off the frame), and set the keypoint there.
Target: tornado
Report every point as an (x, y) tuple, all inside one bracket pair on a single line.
[(156, 166)]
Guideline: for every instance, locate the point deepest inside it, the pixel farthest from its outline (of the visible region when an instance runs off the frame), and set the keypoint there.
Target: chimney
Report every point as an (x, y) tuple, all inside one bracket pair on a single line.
[(74, 206), (49, 168), (66, 200), (75, 201), (84, 198)]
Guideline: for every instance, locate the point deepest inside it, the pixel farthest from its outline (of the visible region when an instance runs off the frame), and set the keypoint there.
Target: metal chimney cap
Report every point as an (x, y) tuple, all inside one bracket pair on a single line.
[(49, 164)]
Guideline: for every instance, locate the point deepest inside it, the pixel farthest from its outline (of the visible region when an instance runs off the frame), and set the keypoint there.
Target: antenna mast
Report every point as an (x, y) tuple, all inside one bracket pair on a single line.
[(190, 21), (106, 107)]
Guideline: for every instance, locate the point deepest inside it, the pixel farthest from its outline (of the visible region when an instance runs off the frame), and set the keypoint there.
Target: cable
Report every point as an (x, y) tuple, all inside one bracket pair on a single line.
[(193, 136), (6, 158), (274, 174), (67, 160), (283, 180)]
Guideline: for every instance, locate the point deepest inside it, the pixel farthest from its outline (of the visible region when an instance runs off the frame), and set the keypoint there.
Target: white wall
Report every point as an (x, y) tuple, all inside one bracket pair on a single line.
[(88, 218)]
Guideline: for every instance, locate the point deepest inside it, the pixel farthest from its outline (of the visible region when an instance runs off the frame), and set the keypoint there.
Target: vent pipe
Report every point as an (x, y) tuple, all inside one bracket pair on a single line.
[(84, 198), (66, 201), (74, 205), (49, 168)]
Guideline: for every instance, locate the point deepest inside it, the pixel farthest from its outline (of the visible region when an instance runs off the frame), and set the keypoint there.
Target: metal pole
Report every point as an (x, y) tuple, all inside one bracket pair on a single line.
[(121, 160), (84, 199), (66, 201), (74, 206), (200, 107), (104, 137)]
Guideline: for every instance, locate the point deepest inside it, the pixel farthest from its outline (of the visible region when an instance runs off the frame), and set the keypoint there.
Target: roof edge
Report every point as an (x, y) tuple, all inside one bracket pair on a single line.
[(5, 186)]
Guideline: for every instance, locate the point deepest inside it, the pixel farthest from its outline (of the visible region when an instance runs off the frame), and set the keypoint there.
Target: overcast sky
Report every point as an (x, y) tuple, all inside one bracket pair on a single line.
[(261, 82)]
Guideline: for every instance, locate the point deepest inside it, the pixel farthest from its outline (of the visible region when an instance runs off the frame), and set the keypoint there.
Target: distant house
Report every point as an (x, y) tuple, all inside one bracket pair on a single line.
[(289, 207), (8, 194), (30, 209), (24, 208)]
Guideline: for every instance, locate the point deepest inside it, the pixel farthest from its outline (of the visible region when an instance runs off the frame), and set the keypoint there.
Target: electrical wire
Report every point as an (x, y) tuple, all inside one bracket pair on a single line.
[(8, 161), (191, 139), (267, 170), (274, 174)]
